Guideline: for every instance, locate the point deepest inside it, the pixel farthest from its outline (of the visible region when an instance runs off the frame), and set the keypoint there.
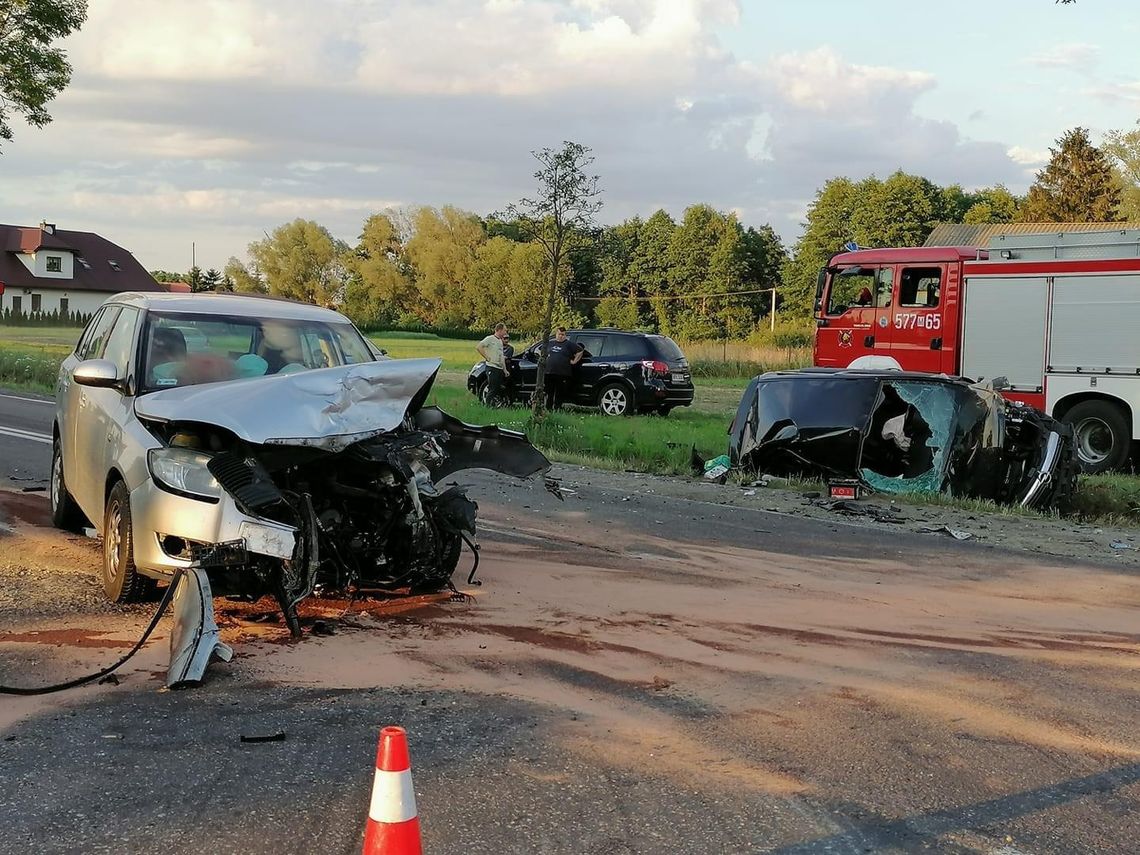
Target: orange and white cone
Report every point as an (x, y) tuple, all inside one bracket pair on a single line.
[(393, 826)]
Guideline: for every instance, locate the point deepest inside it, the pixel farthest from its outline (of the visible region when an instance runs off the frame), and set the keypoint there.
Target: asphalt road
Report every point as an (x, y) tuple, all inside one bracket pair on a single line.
[(25, 438), (641, 672)]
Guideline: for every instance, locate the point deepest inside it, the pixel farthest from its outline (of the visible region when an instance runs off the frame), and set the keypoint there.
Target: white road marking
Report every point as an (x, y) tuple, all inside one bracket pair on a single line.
[(26, 434), (29, 400)]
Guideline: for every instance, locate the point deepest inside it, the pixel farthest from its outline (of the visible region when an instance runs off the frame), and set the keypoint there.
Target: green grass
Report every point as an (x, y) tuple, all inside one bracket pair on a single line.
[(29, 368), (456, 354), (661, 445)]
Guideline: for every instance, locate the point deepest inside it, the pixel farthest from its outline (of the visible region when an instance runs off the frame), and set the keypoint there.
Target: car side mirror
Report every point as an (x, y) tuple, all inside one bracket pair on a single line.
[(101, 373)]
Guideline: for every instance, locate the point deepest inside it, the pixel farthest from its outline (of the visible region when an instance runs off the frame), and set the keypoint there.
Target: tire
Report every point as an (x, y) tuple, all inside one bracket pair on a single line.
[(615, 400), (121, 580), (1101, 436), (65, 514)]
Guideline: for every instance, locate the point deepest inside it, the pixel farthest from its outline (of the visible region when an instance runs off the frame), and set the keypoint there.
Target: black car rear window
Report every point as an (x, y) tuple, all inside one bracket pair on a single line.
[(666, 348), (626, 347)]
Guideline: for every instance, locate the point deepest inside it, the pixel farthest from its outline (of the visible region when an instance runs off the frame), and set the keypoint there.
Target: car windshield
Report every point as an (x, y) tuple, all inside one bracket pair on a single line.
[(183, 349)]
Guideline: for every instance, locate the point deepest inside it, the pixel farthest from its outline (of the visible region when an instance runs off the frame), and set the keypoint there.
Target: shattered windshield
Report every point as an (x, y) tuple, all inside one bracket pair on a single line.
[(911, 434), (184, 349)]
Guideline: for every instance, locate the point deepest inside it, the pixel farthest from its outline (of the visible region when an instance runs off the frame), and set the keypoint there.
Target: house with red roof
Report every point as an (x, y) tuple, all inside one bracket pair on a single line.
[(45, 269)]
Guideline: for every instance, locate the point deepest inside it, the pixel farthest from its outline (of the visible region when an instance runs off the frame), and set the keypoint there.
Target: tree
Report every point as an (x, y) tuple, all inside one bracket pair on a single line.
[(900, 211), (555, 218), (1076, 186), (167, 276), (32, 72), (209, 280), (380, 287), (441, 252), (1123, 149), (195, 278), (302, 261), (242, 279), (827, 228), (992, 205)]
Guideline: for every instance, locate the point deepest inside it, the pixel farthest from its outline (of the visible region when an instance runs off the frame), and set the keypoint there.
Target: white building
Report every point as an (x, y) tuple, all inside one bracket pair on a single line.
[(45, 269)]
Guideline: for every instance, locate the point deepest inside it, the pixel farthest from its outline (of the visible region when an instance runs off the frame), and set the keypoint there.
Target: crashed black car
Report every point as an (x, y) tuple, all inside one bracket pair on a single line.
[(903, 432)]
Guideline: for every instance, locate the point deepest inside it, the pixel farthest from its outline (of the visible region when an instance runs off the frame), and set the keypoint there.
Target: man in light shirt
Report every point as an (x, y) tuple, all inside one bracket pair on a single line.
[(491, 349)]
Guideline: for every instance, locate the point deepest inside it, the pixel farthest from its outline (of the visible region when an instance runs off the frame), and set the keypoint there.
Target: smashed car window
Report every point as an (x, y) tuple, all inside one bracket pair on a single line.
[(182, 349)]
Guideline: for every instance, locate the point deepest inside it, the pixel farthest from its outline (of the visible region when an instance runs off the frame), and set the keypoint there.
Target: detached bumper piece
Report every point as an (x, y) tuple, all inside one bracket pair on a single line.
[(194, 640), (903, 432)]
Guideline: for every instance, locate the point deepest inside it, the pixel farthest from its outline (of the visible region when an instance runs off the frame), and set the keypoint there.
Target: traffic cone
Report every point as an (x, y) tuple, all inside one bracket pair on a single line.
[(393, 827)]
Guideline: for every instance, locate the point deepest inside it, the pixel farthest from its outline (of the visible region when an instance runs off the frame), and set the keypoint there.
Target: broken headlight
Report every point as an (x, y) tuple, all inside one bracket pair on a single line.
[(183, 471)]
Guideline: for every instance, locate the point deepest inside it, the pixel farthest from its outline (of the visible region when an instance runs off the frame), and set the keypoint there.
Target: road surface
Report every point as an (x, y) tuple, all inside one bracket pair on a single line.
[(640, 672)]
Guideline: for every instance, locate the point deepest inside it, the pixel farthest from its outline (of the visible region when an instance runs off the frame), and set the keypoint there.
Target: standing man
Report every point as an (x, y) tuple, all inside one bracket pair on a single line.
[(561, 357), (491, 349)]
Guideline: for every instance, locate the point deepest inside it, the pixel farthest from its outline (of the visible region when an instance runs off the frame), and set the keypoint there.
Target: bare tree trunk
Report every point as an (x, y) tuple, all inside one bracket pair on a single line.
[(538, 402)]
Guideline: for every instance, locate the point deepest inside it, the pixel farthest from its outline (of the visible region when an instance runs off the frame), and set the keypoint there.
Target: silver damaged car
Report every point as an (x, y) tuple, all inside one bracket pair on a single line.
[(267, 445)]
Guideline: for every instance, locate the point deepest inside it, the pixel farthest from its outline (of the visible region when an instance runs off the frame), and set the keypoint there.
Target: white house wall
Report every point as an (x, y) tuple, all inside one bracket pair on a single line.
[(77, 301)]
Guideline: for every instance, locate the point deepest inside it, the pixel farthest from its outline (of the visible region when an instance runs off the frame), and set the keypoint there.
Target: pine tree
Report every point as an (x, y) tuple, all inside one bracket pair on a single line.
[(1076, 186)]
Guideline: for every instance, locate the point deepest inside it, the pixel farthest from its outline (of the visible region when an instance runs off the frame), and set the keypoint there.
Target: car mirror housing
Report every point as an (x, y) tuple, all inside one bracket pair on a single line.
[(96, 372)]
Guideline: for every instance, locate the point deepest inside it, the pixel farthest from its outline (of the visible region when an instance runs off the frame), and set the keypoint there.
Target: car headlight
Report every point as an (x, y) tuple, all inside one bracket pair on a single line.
[(183, 471)]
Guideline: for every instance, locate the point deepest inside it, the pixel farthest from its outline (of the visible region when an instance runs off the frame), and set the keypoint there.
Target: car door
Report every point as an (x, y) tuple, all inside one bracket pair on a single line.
[(916, 323), (856, 317), (524, 373), (588, 373), (108, 410), (76, 414)]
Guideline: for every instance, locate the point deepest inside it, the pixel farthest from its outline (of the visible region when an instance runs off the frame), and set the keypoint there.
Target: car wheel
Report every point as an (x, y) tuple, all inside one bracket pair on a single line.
[(615, 400), (121, 580), (64, 512), (1102, 439)]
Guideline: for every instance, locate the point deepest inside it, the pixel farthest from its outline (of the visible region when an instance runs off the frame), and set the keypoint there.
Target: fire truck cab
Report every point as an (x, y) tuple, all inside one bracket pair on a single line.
[(1056, 315)]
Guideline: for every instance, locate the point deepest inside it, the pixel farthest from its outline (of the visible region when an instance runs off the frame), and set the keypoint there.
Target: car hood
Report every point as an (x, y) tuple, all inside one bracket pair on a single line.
[(327, 408)]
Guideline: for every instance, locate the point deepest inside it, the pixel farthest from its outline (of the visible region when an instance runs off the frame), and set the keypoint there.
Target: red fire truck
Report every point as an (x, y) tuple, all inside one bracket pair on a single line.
[(1057, 315)]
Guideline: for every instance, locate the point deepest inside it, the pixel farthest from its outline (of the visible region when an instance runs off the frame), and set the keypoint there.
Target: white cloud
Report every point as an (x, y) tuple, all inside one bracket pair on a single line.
[(1075, 56), (1027, 156), (224, 119)]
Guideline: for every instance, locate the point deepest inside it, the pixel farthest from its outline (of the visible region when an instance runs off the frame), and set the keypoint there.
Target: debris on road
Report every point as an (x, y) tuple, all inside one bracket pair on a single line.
[(903, 432), (1120, 544), (278, 736), (957, 534)]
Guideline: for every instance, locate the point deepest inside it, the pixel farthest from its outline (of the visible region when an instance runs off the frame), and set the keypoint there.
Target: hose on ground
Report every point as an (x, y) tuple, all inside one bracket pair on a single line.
[(98, 675)]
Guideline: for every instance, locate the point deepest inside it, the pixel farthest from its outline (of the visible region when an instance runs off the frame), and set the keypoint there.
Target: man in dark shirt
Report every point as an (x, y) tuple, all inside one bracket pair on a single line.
[(561, 357)]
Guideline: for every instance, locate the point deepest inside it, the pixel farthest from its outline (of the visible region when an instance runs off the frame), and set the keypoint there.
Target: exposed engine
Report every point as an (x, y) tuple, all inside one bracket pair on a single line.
[(368, 517)]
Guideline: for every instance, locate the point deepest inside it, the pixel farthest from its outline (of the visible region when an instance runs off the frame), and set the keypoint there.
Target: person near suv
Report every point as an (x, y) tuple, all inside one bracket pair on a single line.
[(562, 356), (491, 349)]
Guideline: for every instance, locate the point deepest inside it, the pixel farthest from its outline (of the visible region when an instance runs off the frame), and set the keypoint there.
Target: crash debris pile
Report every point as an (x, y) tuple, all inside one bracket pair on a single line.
[(901, 432)]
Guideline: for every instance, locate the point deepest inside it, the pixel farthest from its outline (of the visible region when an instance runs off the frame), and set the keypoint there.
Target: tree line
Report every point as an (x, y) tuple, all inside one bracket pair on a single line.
[(704, 275)]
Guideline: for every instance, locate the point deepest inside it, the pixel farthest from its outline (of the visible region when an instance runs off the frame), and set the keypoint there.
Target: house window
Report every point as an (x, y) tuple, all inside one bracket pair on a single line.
[(63, 307), (37, 301), (17, 305), (83, 261), (114, 265), (55, 264)]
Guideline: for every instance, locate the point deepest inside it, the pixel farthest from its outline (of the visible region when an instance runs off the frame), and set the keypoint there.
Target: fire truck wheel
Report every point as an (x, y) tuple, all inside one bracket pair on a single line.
[(1103, 440)]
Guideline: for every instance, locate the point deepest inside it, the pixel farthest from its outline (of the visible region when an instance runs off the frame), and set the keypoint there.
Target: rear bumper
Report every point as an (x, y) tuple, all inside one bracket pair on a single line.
[(658, 393)]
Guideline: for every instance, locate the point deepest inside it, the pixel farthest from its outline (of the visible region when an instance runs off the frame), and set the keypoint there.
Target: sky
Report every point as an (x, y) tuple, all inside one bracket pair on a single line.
[(211, 122)]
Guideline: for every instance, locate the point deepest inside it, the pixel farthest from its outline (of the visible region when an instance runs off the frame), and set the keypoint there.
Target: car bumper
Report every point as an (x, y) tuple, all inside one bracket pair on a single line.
[(660, 394), (160, 520)]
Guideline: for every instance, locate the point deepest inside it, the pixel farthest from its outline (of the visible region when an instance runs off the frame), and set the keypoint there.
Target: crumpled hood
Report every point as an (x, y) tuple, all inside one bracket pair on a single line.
[(327, 408)]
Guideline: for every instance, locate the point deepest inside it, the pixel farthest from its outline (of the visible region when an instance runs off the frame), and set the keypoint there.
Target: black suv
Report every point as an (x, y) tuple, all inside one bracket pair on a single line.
[(620, 373)]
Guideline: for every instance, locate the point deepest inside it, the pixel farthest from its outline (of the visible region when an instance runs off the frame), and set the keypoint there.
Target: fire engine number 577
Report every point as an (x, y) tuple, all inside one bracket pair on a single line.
[(915, 321)]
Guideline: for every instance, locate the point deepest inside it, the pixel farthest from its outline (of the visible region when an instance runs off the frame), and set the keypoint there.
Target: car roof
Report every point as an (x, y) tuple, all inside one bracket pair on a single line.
[(242, 305)]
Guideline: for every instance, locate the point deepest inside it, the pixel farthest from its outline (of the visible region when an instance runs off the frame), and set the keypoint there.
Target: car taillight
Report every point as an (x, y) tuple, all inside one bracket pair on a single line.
[(655, 367)]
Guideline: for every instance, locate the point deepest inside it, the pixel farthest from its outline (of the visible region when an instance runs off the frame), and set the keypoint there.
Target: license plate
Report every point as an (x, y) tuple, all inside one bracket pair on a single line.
[(679, 378)]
